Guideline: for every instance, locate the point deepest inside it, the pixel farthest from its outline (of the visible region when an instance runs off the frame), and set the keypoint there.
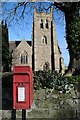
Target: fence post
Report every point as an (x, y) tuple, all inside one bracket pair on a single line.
[(13, 114), (23, 114)]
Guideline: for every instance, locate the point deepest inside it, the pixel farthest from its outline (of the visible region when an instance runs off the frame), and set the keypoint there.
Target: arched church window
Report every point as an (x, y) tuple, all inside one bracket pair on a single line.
[(24, 58), (44, 39), (47, 24), (46, 66), (41, 24)]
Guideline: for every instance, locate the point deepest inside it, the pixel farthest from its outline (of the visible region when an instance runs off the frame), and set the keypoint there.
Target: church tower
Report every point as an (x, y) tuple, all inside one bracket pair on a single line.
[(42, 40), (46, 52)]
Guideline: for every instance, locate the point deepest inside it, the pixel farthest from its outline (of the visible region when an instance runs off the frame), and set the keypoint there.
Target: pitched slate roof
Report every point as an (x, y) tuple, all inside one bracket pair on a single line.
[(14, 44)]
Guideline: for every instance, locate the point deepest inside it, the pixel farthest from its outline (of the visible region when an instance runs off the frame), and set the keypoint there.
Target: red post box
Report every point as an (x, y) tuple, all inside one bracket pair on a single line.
[(22, 87)]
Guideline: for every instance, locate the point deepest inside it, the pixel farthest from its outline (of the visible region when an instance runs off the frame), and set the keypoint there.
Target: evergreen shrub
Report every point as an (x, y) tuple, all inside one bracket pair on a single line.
[(53, 79)]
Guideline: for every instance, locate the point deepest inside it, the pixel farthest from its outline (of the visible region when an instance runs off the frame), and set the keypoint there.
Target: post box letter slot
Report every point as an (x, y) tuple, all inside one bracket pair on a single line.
[(21, 94)]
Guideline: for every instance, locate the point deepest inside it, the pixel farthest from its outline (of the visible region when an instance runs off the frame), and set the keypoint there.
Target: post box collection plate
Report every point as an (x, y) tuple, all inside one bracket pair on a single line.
[(21, 94)]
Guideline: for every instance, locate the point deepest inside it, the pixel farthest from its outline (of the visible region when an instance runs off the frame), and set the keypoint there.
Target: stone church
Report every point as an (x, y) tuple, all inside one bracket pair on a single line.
[(43, 51)]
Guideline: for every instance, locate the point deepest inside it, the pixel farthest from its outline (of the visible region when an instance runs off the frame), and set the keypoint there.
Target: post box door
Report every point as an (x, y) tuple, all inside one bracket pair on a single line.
[(21, 92), (21, 96)]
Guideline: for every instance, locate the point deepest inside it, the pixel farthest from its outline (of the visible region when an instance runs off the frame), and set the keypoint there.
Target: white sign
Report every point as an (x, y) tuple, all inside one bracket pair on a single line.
[(21, 94)]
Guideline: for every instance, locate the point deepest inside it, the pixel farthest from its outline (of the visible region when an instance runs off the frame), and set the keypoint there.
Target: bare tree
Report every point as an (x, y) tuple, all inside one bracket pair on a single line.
[(71, 10)]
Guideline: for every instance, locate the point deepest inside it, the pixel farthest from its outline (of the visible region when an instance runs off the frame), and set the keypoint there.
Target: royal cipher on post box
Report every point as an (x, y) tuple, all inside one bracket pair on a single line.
[(22, 87)]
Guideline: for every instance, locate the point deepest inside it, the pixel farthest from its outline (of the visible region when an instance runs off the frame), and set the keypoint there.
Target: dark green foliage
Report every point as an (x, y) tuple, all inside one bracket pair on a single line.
[(7, 91), (41, 79), (46, 78), (72, 20), (52, 79), (5, 49), (73, 36), (71, 79), (61, 82)]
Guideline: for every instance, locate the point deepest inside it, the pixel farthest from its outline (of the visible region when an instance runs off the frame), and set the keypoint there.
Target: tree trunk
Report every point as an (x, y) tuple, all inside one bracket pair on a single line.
[(70, 19), (71, 67)]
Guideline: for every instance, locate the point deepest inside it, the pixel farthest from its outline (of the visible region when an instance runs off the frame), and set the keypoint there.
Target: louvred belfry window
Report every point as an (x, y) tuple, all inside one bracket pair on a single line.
[(41, 24), (47, 24)]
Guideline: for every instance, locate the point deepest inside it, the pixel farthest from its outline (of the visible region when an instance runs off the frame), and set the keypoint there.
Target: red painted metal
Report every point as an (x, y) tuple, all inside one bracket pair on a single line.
[(22, 78)]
